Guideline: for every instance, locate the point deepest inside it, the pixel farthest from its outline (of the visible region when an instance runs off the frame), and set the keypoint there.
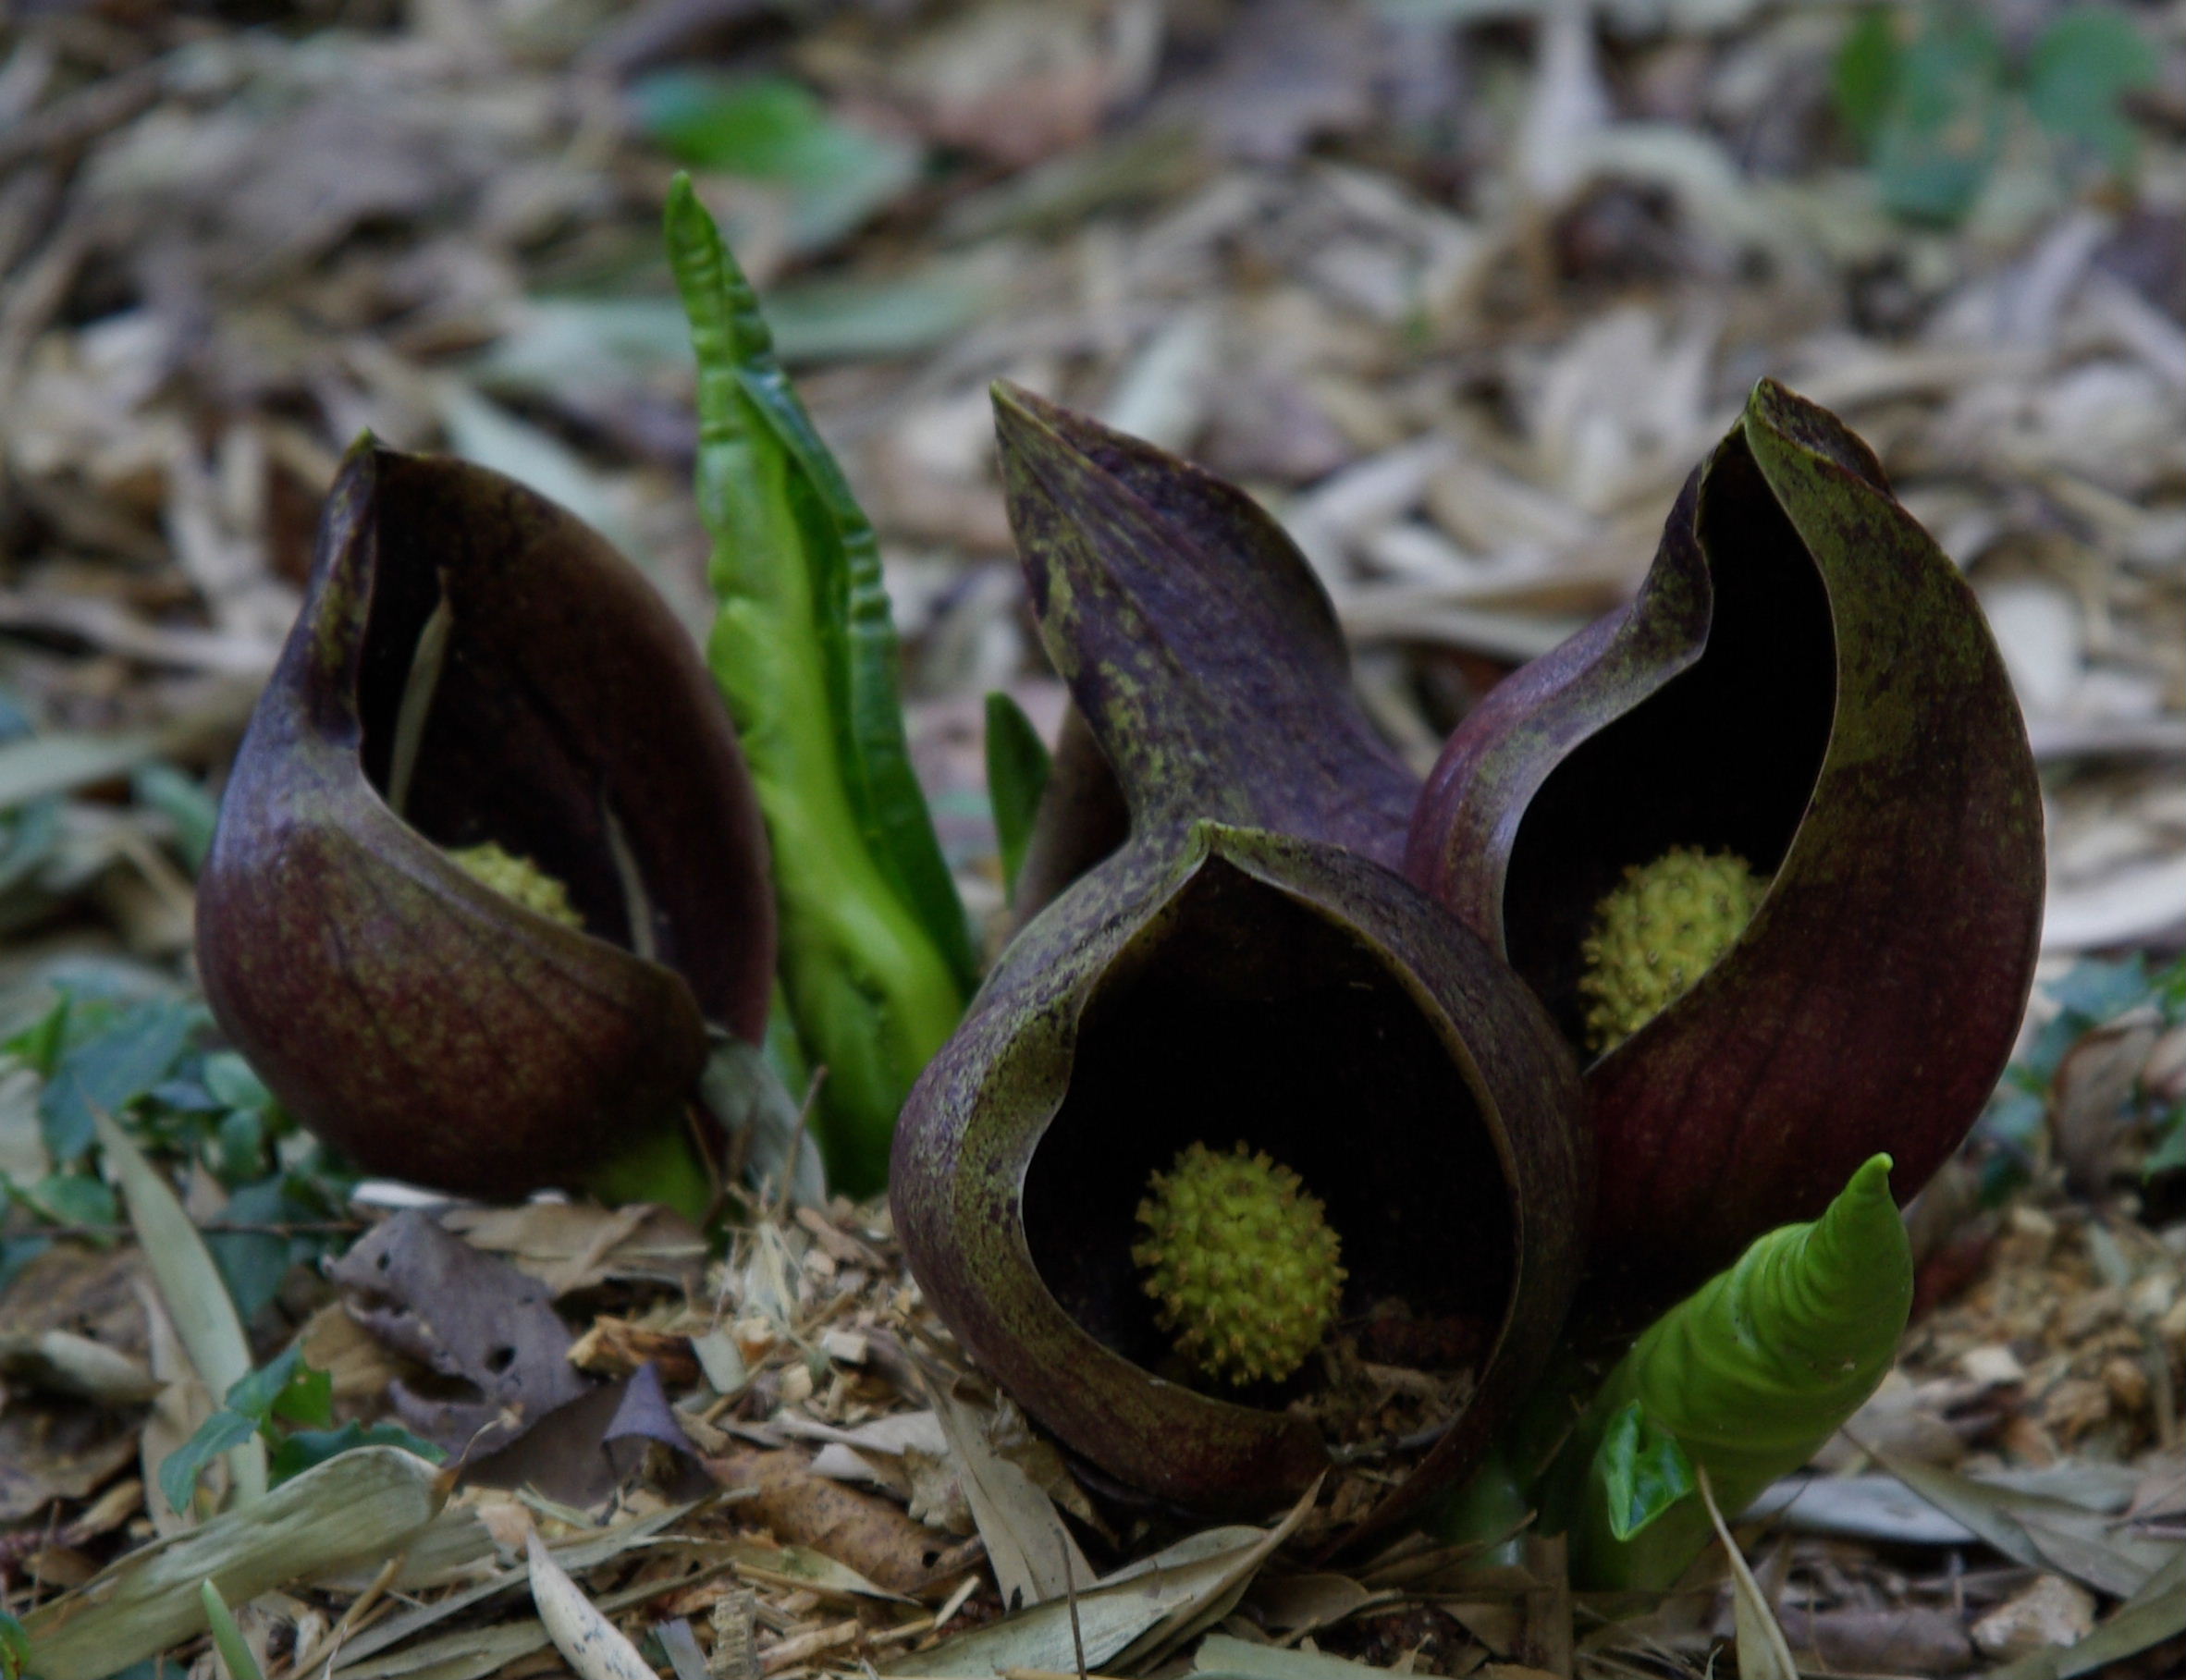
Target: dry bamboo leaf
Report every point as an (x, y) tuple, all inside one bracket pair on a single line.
[(594, 1646), (870, 1535), (574, 1555), (1763, 1651), (364, 1503), (60, 1362), (1219, 1657), (2040, 1532), (1035, 1558), (1111, 1615), (197, 1300)]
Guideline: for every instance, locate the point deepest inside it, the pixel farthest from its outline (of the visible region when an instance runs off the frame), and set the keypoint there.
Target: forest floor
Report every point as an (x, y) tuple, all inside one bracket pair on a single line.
[(1461, 289)]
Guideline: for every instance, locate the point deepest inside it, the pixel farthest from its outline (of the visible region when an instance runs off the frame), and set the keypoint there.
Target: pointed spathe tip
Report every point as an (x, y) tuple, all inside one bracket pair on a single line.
[(1019, 413)]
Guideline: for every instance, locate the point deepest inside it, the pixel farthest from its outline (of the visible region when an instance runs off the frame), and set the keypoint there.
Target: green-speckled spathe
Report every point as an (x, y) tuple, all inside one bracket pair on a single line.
[(1804, 679), (1240, 969), (423, 1022)]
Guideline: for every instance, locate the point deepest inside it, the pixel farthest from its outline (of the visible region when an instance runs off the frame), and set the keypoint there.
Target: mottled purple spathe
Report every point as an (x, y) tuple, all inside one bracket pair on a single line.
[(1806, 680), (419, 1022), (1243, 968)]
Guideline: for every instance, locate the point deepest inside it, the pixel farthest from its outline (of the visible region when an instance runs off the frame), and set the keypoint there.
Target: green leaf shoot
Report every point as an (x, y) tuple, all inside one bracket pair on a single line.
[(1747, 1376), (876, 956), (227, 1639), (1017, 767)]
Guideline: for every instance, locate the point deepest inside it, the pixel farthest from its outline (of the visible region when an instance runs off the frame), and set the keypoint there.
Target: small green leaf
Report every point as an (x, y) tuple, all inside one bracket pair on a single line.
[(2168, 1153), (232, 1083), (1642, 1469), (303, 1448), (29, 836), (287, 1388), (17, 1253), (73, 1199), (15, 1647), (2082, 67), (768, 127), (224, 1431), (774, 129), (43, 1043), (1864, 77), (255, 1263), (227, 1639), (240, 1142), (110, 1071), (1017, 768), (183, 801), (1935, 133)]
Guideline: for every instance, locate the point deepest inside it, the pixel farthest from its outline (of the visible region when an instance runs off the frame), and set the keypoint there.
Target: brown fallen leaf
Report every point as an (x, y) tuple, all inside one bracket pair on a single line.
[(1914, 1639), (431, 1295), (615, 1348), (869, 1534)]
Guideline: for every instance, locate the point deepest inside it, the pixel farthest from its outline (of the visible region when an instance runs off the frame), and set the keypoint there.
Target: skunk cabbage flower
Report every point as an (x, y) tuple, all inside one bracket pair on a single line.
[(489, 862), (1768, 844), (1241, 1098)]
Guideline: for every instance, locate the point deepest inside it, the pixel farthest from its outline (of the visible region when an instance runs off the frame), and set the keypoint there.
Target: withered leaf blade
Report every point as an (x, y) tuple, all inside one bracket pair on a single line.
[(424, 1024), (1804, 679)]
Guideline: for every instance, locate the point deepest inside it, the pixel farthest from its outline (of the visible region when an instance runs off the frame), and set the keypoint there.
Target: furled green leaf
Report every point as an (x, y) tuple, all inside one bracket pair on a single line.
[(1642, 1469), (1747, 1376), (1017, 767), (877, 955)]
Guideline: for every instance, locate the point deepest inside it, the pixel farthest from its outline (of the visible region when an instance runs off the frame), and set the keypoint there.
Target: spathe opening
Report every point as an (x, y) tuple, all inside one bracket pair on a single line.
[(1725, 756), (1241, 1014), (492, 760)]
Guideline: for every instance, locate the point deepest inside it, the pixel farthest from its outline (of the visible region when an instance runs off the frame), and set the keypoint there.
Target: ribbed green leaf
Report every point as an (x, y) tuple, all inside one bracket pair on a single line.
[(1748, 1375), (877, 955)]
